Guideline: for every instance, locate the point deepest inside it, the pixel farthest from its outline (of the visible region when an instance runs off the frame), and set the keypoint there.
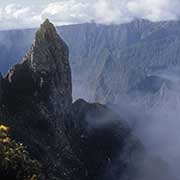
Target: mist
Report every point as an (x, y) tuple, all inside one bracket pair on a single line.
[(154, 117), (155, 120)]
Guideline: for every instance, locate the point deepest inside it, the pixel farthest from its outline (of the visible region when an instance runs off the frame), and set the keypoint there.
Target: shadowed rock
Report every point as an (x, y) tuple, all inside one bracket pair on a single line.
[(0, 88), (79, 141), (36, 95)]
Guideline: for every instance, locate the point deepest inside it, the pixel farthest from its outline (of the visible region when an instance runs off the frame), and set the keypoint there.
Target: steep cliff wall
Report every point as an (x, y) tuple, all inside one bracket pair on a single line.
[(77, 141)]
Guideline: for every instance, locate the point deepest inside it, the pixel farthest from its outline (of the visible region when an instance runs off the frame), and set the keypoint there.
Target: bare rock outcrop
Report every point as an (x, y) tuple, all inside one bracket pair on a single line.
[(73, 141), (37, 94)]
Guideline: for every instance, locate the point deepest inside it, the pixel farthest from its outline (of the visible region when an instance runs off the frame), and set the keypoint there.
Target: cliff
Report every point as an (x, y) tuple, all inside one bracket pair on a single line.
[(73, 141), (37, 92)]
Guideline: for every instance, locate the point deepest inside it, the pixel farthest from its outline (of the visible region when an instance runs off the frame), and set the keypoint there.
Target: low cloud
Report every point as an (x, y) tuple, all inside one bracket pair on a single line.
[(79, 11)]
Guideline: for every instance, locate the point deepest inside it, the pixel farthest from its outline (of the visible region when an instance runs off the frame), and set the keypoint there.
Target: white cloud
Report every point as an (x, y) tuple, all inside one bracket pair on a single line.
[(66, 12), (15, 11), (154, 9), (16, 16), (78, 11)]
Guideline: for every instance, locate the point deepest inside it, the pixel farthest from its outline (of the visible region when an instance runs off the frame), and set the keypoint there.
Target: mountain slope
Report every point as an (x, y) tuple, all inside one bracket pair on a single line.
[(35, 96), (63, 136)]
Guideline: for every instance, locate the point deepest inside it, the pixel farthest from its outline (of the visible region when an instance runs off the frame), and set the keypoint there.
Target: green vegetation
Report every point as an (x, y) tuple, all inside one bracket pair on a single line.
[(15, 161)]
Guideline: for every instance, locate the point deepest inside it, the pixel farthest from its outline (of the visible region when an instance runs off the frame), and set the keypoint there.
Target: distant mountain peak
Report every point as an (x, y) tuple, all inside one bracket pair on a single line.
[(47, 32)]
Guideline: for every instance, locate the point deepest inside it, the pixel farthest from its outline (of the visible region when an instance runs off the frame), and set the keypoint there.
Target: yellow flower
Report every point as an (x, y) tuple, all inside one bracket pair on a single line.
[(5, 140), (4, 128)]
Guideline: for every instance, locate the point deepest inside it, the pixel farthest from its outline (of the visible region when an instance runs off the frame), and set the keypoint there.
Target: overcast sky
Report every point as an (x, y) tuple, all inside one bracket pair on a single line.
[(30, 13)]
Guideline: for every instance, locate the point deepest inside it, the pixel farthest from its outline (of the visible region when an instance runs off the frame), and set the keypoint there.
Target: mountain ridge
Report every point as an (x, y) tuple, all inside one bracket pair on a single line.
[(98, 45), (37, 105)]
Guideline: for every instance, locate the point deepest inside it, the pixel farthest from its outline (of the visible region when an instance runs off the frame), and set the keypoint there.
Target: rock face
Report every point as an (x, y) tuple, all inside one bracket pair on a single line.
[(0, 88), (126, 53), (83, 141), (49, 56), (48, 63), (44, 74), (77, 141), (36, 95), (116, 59), (102, 141)]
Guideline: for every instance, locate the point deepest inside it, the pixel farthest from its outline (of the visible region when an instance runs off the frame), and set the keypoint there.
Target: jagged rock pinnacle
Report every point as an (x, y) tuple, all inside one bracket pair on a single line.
[(48, 48), (36, 94), (48, 66), (46, 32), (49, 54)]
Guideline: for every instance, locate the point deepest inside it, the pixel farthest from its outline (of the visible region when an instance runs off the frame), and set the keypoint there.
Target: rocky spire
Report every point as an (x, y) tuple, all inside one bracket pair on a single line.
[(36, 95), (50, 55), (48, 50), (49, 66)]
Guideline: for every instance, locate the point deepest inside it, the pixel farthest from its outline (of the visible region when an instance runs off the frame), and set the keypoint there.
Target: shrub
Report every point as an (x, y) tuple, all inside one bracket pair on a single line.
[(15, 161)]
